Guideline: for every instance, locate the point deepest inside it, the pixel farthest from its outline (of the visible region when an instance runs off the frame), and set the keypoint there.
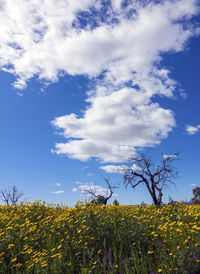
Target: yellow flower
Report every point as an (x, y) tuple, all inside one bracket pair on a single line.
[(13, 260), (44, 264), (29, 251), (159, 270), (56, 255), (150, 252), (36, 260), (19, 265), (30, 266)]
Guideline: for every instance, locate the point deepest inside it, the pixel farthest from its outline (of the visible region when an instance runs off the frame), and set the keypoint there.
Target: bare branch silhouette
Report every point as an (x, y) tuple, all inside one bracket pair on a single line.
[(154, 178)]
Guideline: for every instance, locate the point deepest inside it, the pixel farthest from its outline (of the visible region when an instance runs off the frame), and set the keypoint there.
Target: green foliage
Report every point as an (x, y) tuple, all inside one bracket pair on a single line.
[(101, 200)]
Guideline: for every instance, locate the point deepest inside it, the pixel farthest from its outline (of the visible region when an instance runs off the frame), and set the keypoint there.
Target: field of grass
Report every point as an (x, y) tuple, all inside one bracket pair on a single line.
[(40, 238)]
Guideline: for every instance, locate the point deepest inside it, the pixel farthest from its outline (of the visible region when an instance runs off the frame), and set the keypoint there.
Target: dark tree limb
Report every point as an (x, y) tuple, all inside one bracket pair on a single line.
[(101, 199), (154, 178), (11, 196)]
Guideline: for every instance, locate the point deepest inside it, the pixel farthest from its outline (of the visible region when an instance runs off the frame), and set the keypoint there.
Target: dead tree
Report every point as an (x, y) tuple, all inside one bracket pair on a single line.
[(155, 178), (11, 196), (100, 198)]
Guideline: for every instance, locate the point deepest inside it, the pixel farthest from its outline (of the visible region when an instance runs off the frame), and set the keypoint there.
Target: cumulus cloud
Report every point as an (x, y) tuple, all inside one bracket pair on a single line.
[(31, 36), (118, 168), (118, 47), (58, 192), (191, 130), (46, 38), (113, 168), (113, 125), (120, 118), (58, 184)]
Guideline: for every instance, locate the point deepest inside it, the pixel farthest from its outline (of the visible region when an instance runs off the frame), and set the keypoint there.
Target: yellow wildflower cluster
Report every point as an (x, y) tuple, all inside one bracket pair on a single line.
[(42, 238)]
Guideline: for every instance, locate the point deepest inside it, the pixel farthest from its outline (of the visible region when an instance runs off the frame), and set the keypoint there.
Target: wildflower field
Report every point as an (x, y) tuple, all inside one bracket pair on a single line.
[(40, 238)]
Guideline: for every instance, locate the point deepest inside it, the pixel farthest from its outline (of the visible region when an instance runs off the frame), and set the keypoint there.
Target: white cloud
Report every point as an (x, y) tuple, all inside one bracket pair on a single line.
[(19, 84), (58, 184), (35, 33), (191, 130), (58, 192), (120, 119), (19, 94), (47, 39), (44, 37), (169, 156), (113, 125), (74, 189), (118, 168), (96, 189), (116, 4), (113, 168)]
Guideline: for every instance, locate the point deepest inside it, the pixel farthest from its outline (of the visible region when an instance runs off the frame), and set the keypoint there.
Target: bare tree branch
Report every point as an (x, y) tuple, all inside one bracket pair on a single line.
[(100, 198), (4, 196), (155, 178), (11, 196)]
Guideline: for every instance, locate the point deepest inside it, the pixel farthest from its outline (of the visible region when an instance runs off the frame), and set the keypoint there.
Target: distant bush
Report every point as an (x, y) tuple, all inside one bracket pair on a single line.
[(196, 193), (115, 202)]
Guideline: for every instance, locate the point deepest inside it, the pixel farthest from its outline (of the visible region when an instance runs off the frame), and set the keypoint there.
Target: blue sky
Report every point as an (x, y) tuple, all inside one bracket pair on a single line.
[(86, 83)]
